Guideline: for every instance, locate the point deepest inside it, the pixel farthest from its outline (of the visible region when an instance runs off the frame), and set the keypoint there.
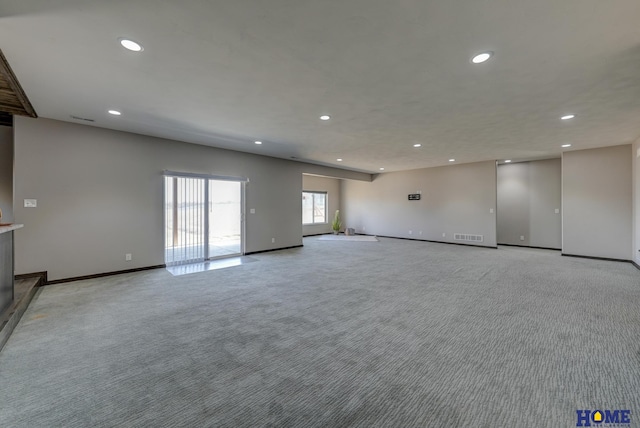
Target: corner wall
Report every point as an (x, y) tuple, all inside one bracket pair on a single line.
[(528, 195), (597, 202), (454, 199), (636, 201), (322, 184), (6, 173), (100, 195)]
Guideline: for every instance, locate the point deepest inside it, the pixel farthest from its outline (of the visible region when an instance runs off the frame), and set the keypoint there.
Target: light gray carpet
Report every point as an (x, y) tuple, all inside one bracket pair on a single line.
[(400, 334), (353, 238)]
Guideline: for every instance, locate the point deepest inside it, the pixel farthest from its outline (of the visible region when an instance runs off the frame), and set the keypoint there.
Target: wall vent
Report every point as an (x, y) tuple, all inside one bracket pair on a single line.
[(82, 118), (467, 237)]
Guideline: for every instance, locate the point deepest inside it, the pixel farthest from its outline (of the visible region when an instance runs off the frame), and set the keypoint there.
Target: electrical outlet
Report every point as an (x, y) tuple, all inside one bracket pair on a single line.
[(420, 232), (410, 232), (127, 257), (273, 240), (252, 211), (521, 237), (444, 235), (364, 228)]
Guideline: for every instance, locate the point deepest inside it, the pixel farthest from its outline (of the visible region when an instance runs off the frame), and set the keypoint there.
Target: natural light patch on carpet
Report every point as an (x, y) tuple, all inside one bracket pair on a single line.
[(209, 265), (356, 238)]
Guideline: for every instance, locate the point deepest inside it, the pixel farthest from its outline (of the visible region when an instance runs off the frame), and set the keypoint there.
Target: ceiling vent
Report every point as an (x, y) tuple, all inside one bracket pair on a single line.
[(81, 118)]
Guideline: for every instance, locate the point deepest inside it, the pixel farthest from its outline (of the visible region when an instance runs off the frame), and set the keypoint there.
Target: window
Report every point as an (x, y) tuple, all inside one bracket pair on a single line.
[(314, 207)]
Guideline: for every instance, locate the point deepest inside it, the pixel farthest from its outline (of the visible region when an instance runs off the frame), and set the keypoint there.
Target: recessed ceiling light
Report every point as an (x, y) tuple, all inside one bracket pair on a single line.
[(417, 145), (566, 145), (381, 169), (452, 160), (567, 117), (325, 117), (507, 161), (131, 45), (115, 112), (339, 160), (258, 142), (482, 57)]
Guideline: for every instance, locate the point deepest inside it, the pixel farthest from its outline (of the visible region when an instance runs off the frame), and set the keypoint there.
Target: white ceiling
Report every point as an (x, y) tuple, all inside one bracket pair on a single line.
[(390, 73)]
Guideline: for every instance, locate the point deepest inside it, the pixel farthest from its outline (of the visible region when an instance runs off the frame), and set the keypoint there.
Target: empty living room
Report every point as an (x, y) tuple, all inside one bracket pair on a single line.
[(319, 214)]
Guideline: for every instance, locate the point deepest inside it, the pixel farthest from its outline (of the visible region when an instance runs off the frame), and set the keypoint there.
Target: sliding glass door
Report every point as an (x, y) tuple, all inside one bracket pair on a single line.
[(203, 219), (224, 217)]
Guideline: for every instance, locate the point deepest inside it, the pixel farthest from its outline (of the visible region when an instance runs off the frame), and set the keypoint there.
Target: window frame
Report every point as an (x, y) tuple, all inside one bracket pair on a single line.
[(313, 204)]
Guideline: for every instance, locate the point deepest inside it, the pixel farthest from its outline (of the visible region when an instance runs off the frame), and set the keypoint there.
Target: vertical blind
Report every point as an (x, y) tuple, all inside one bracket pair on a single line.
[(185, 202)]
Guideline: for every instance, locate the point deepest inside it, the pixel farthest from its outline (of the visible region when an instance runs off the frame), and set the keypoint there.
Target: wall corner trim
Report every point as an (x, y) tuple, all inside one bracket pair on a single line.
[(42, 275), (599, 258), (273, 249), (100, 275), (433, 242)]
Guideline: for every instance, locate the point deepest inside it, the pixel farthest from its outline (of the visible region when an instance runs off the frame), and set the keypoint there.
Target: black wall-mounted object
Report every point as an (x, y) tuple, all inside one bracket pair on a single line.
[(414, 197)]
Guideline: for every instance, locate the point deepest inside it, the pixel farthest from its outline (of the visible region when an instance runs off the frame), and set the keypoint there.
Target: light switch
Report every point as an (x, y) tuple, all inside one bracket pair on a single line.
[(30, 203), (557, 210), (490, 210), (252, 211)]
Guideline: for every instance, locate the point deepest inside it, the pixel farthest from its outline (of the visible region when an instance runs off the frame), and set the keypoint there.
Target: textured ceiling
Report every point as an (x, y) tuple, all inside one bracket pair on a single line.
[(390, 74)]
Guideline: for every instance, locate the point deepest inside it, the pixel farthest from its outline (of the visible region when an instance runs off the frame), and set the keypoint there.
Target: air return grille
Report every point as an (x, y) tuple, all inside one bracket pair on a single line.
[(468, 238), (82, 118)]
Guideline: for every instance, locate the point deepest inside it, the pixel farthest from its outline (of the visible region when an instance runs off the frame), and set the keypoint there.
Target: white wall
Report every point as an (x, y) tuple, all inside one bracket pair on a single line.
[(6, 173), (597, 202), (322, 184), (528, 195), (636, 201), (455, 199), (100, 195)]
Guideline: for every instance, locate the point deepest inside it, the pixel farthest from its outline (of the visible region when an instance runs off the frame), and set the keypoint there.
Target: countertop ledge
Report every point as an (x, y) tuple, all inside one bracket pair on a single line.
[(9, 227)]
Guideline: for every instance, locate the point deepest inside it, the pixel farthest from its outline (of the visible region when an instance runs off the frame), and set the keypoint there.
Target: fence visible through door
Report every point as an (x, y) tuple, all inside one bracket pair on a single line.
[(203, 218)]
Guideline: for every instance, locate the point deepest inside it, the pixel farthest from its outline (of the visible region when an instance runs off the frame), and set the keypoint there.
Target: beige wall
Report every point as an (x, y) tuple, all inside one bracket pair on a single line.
[(100, 195), (597, 202), (6, 173), (322, 184), (513, 204), (455, 199), (528, 195)]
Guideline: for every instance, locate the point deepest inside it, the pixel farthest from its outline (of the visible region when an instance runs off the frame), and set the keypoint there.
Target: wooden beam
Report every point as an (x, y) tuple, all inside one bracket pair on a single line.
[(13, 111), (12, 81)]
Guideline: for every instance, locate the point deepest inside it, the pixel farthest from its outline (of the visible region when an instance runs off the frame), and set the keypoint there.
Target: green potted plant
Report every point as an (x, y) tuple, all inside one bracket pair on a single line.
[(336, 224)]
